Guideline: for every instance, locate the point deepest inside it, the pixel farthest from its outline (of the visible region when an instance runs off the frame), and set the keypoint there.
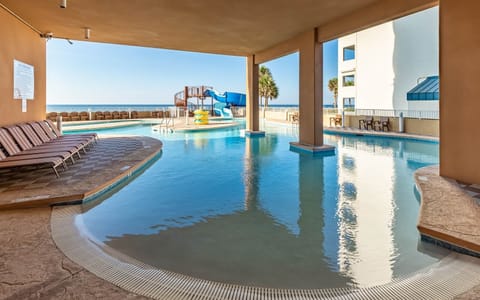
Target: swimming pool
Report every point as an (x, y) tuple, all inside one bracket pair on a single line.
[(221, 207)]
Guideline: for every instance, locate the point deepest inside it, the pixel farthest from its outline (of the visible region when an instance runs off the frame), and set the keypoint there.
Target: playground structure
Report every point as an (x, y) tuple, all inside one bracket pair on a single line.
[(221, 108)]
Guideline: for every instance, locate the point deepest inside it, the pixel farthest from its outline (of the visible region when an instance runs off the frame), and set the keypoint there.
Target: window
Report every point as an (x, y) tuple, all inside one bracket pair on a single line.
[(349, 52), (349, 104), (349, 80)]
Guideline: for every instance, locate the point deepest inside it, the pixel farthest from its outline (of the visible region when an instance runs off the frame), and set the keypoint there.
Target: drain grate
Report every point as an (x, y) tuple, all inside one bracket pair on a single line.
[(447, 278)]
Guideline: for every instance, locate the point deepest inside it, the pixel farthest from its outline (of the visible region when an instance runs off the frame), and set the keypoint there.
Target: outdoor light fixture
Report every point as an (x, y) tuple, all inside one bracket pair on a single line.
[(63, 4), (87, 33), (46, 35)]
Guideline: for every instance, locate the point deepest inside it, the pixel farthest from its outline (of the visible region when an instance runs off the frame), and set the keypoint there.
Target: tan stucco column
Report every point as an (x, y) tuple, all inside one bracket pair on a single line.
[(459, 90), (252, 113), (311, 95)]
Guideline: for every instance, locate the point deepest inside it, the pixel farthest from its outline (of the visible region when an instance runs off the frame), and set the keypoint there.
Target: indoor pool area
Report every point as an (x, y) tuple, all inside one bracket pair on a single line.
[(220, 213)]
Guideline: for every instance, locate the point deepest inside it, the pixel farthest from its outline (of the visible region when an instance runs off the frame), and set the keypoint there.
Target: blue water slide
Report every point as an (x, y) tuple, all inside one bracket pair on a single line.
[(229, 98), (223, 110)]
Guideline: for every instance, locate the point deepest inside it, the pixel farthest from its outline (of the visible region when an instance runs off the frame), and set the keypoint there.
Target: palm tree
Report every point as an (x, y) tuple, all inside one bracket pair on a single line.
[(333, 87), (267, 87)]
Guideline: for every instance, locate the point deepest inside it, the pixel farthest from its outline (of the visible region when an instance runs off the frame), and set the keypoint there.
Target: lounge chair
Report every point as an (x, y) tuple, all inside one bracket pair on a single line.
[(84, 116), (337, 120), (382, 124), (80, 144), (52, 131), (53, 162), (15, 153), (29, 143)]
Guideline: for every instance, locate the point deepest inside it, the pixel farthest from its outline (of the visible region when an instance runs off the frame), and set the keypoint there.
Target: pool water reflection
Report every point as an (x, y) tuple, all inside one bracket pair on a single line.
[(249, 211)]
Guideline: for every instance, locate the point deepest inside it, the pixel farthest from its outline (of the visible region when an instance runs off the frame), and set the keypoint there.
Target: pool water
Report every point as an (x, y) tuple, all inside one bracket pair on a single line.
[(249, 211)]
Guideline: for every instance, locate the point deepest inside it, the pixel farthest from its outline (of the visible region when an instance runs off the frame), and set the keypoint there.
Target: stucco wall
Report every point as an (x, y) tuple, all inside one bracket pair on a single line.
[(21, 43), (459, 105)]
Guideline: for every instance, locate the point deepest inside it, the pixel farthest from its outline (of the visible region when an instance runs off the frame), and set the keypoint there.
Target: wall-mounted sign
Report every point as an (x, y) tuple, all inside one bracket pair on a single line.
[(23, 81)]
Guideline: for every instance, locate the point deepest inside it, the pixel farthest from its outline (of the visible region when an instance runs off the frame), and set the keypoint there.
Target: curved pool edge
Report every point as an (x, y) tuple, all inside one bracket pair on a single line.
[(451, 276)]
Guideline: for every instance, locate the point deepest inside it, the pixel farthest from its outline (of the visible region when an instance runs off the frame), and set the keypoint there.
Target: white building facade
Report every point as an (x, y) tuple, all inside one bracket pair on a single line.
[(379, 65)]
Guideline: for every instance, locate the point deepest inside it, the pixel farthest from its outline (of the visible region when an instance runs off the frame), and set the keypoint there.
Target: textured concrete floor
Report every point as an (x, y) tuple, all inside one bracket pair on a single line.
[(31, 266)]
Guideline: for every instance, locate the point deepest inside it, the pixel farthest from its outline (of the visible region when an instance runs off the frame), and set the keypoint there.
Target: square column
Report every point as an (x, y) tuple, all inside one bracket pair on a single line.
[(252, 113), (311, 96)]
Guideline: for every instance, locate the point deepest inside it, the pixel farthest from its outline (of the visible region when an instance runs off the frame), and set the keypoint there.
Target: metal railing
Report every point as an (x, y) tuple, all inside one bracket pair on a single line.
[(414, 114)]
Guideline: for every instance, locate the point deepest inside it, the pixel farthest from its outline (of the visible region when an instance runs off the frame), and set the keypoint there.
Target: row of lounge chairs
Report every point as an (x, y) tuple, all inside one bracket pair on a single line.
[(41, 144), (104, 115)]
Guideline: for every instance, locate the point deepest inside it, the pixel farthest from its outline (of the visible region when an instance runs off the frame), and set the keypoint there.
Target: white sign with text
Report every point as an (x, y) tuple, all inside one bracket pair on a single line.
[(23, 81)]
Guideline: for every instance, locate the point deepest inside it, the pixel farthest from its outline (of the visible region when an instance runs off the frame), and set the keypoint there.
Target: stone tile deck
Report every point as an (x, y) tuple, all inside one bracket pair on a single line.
[(111, 158), (448, 213)]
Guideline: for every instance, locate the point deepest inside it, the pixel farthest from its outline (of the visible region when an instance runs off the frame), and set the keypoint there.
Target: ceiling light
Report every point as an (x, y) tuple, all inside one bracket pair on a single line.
[(63, 4)]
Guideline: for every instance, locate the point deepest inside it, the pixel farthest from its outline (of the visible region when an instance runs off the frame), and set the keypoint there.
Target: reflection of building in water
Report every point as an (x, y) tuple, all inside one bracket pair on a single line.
[(365, 211)]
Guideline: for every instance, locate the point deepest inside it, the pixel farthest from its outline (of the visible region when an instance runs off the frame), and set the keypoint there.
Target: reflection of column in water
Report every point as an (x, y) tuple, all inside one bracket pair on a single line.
[(251, 173), (318, 190)]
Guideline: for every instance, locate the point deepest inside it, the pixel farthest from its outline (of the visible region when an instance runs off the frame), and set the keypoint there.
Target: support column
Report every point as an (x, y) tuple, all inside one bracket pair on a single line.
[(311, 96), (459, 90), (252, 113)]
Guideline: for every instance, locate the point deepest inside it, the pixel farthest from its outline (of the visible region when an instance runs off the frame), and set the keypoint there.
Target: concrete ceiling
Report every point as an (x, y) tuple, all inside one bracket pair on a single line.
[(234, 27)]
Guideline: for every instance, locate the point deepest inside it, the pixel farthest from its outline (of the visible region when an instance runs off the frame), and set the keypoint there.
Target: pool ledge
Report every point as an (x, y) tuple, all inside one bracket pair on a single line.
[(449, 217)]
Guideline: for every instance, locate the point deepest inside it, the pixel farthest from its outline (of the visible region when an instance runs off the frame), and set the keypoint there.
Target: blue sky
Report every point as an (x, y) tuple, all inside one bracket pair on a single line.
[(96, 73)]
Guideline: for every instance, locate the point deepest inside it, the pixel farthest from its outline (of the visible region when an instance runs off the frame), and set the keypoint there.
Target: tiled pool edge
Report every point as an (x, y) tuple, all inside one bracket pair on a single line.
[(455, 229), (447, 278)]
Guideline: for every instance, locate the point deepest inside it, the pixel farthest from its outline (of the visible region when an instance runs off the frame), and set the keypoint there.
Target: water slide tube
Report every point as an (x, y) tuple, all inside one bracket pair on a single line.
[(229, 98)]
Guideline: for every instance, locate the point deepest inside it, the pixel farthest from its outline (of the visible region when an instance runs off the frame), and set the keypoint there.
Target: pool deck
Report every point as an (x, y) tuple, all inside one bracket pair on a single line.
[(31, 265), (449, 212)]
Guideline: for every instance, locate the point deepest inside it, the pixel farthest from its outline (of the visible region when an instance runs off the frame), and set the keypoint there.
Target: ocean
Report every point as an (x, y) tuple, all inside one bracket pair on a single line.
[(137, 107)]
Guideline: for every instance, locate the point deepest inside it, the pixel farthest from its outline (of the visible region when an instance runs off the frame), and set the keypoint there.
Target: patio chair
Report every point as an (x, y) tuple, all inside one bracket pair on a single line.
[(134, 114), (337, 120), (99, 115), (382, 124), (115, 115), (52, 116), (84, 116), (364, 123), (124, 114), (74, 116), (107, 115), (65, 116)]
